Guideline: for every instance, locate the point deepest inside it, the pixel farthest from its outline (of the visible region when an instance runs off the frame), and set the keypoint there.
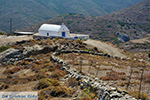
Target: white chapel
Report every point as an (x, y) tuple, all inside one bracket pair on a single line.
[(54, 30)]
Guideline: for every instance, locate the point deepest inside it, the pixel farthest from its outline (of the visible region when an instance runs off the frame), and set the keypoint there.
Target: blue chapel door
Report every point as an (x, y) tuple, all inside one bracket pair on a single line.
[(63, 34)]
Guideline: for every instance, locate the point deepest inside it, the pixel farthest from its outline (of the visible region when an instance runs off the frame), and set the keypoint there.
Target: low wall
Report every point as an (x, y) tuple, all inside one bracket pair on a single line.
[(51, 37), (104, 92)]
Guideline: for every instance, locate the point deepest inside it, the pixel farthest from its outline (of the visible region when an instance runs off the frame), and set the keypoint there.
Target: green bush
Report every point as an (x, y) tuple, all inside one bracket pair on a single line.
[(88, 93), (115, 41), (78, 30), (89, 29), (121, 23), (69, 22), (1, 33), (3, 48), (101, 32), (108, 26)]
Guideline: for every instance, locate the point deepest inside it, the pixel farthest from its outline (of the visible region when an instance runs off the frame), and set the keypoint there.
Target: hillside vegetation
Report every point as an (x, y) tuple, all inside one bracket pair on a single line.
[(133, 21), (29, 67), (29, 12)]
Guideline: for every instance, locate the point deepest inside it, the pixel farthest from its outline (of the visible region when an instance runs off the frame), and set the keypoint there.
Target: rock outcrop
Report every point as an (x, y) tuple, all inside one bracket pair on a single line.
[(10, 55)]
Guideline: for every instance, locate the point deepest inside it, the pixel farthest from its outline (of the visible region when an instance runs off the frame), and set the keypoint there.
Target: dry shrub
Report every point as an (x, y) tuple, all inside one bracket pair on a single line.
[(137, 71), (54, 91), (36, 67), (113, 73), (120, 67), (135, 82), (89, 92), (102, 69), (29, 79), (44, 70), (41, 75), (143, 96), (13, 80), (122, 84), (71, 82), (26, 67), (58, 74), (146, 78), (49, 66), (58, 66), (131, 83), (114, 76), (82, 73), (4, 86), (38, 62), (86, 98), (23, 63), (12, 70), (106, 78), (46, 82)]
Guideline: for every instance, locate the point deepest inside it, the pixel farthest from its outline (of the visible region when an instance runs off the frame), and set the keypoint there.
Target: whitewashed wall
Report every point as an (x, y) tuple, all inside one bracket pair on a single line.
[(51, 33), (55, 33)]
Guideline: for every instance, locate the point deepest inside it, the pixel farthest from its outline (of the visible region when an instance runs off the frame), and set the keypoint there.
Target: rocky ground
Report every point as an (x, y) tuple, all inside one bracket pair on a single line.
[(27, 64)]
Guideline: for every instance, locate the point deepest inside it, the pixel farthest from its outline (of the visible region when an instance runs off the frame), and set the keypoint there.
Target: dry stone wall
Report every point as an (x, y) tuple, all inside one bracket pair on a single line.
[(104, 92)]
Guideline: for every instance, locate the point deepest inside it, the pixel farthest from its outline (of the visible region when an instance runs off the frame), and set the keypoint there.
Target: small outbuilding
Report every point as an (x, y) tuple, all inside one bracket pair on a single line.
[(23, 33), (51, 30)]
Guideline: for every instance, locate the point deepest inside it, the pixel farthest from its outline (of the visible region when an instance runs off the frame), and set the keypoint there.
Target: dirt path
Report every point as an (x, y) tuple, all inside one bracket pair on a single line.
[(106, 48), (4, 40)]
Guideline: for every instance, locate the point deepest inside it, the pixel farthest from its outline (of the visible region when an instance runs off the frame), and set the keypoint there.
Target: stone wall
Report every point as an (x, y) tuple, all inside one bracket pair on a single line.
[(104, 92)]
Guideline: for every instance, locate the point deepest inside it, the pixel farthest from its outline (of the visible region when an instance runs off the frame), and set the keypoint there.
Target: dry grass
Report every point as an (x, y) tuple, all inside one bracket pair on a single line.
[(132, 83), (86, 98), (54, 91), (46, 82), (22, 74), (25, 73), (2, 69), (23, 87), (58, 74), (107, 65), (143, 96), (71, 82)]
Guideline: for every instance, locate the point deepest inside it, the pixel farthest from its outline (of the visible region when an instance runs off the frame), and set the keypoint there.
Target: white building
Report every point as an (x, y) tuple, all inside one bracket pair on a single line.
[(54, 30)]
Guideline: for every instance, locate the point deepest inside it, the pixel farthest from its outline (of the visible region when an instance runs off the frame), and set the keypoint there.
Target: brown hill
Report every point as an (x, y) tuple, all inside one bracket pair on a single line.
[(133, 21)]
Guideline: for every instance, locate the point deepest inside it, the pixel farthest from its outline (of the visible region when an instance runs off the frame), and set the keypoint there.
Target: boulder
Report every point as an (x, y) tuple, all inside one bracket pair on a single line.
[(34, 50)]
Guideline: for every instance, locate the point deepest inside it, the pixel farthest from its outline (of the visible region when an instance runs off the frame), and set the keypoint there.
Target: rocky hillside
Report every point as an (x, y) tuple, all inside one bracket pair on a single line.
[(67, 70), (26, 13), (138, 45), (133, 21)]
